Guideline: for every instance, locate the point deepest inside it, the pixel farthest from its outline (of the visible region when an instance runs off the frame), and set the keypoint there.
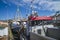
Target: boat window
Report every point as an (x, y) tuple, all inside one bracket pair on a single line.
[(34, 23), (39, 22), (48, 22), (45, 22), (39, 31), (53, 32)]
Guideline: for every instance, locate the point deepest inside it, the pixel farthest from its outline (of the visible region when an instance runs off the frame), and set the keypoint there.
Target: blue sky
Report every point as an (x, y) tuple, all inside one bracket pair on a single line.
[(8, 8)]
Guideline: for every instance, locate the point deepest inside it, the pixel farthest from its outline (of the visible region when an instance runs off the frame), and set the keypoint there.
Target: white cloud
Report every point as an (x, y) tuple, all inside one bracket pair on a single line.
[(57, 5), (46, 5), (27, 1), (34, 1), (16, 2), (4, 1), (33, 6), (43, 4)]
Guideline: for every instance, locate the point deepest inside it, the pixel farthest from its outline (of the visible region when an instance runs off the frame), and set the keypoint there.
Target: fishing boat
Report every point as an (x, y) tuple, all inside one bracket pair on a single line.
[(44, 26)]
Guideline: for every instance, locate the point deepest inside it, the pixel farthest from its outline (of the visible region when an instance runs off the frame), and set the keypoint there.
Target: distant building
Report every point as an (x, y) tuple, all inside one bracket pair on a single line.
[(4, 23), (56, 16)]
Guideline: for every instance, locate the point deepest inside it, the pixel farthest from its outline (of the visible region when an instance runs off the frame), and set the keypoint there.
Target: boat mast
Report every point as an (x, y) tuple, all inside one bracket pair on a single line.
[(32, 5), (17, 16)]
